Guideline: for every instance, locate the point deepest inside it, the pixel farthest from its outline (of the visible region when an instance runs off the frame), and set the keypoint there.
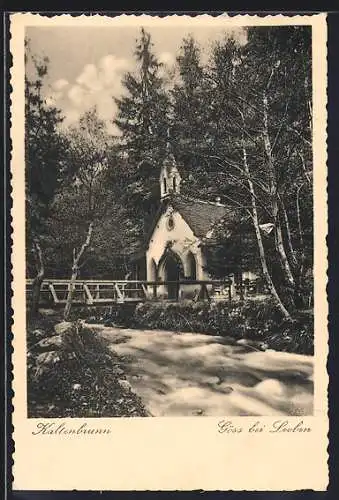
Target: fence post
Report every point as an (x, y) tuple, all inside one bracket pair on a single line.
[(54, 295), (119, 293), (88, 295)]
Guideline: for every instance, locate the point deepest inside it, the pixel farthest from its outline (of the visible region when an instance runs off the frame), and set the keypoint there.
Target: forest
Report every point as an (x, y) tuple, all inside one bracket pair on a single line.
[(240, 127)]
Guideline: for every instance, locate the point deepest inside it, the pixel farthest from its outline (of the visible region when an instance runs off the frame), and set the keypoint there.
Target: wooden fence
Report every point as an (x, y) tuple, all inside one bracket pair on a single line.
[(93, 292)]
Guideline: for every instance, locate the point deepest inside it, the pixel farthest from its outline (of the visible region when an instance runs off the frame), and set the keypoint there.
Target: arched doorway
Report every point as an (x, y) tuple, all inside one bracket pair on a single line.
[(172, 271)]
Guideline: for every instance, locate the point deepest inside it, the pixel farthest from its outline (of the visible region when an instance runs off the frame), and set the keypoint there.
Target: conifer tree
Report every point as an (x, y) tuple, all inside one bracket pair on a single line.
[(44, 166), (142, 113), (189, 97), (143, 120)]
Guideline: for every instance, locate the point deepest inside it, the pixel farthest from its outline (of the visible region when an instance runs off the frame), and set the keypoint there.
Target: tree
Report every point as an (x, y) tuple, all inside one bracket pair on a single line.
[(88, 147), (143, 120), (44, 165), (283, 92), (256, 142), (264, 133), (93, 233), (190, 99), (233, 248)]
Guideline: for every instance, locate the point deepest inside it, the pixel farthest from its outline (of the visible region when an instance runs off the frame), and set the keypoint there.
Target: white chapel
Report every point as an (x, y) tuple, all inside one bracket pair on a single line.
[(175, 246)]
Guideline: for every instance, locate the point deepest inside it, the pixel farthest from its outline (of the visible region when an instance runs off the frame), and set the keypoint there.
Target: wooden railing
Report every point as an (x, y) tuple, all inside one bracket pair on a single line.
[(93, 292)]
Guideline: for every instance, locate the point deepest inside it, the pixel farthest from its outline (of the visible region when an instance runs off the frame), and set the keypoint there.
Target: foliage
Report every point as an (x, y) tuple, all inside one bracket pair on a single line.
[(254, 319), (45, 165), (44, 145), (261, 144), (86, 387), (143, 119), (190, 98), (142, 113), (233, 248), (258, 321), (218, 318), (90, 196), (278, 114), (88, 150)]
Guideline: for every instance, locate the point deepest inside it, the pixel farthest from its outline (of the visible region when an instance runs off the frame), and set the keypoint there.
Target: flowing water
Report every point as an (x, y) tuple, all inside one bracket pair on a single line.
[(179, 374)]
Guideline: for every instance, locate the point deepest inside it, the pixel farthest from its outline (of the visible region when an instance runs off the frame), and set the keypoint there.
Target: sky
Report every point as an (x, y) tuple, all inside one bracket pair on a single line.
[(87, 63)]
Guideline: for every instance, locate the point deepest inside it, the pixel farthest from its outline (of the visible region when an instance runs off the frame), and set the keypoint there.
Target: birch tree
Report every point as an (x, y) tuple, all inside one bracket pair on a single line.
[(87, 153), (257, 132)]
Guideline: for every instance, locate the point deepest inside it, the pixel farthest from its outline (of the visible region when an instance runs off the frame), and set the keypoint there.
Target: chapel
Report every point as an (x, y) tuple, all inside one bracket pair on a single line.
[(176, 243)]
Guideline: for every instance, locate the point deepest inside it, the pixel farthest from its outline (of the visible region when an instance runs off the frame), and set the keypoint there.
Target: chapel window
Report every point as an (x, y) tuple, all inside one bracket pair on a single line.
[(170, 223), (192, 267)]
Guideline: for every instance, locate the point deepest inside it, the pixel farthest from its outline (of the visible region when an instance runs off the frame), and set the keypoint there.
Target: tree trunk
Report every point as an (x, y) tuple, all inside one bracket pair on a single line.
[(262, 255), (288, 235), (70, 294), (297, 202), (75, 271), (308, 101), (282, 253), (302, 159), (37, 282), (298, 291), (274, 200)]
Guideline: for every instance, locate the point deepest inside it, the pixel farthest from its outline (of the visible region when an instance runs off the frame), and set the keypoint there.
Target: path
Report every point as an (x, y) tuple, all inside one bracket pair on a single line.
[(179, 374)]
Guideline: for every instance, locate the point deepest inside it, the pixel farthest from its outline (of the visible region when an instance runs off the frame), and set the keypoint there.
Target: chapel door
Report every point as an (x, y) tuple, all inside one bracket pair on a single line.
[(172, 275)]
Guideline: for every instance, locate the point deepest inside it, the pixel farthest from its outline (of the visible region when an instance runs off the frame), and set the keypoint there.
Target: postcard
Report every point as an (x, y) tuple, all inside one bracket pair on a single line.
[(169, 252)]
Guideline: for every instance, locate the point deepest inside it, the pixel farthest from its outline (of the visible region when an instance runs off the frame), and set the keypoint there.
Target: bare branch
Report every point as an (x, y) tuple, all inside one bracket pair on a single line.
[(240, 205), (76, 260), (280, 128)]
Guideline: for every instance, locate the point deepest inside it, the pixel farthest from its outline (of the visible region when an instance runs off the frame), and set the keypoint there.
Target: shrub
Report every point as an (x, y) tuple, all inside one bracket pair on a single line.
[(296, 336), (254, 320), (257, 320)]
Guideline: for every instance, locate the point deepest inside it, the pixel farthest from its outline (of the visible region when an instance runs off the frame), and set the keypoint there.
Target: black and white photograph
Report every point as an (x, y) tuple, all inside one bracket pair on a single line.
[(169, 221), (169, 258)]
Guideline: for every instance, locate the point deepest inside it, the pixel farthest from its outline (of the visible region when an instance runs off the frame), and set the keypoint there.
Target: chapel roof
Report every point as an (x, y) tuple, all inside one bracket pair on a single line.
[(200, 215)]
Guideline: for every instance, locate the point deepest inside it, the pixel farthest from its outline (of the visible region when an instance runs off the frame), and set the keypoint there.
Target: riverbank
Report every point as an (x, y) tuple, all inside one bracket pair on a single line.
[(71, 372), (257, 321)]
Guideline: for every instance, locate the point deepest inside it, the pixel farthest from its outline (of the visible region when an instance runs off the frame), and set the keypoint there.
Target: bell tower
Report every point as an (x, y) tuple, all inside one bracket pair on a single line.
[(170, 177)]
